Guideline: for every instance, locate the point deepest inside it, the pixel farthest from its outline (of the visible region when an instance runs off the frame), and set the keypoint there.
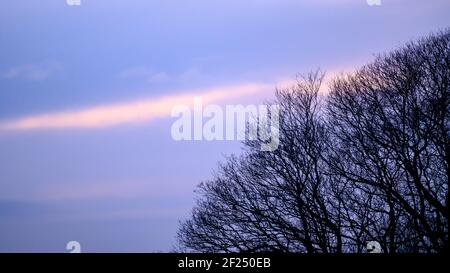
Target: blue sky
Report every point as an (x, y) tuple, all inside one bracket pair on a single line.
[(125, 185)]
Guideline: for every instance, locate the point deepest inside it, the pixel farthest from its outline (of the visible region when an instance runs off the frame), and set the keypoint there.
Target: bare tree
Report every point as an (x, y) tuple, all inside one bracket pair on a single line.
[(272, 201), (369, 162), (390, 127)]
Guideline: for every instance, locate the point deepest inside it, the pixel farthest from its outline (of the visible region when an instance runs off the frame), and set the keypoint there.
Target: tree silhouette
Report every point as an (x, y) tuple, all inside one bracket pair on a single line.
[(369, 161)]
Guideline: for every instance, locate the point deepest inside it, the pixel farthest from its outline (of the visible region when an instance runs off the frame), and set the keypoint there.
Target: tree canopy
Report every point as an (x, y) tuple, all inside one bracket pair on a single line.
[(369, 160)]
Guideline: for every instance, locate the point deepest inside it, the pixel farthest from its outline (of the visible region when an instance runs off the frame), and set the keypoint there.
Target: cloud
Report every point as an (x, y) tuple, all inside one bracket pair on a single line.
[(130, 112), (144, 72), (159, 77), (32, 72), (149, 187), (134, 72), (148, 109), (190, 75)]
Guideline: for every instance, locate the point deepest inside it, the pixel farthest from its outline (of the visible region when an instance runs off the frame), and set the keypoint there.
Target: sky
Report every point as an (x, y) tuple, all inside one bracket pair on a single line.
[(86, 93)]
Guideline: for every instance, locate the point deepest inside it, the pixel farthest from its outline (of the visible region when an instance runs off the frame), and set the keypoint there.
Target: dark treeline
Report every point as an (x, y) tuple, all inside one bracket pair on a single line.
[(369, 161)]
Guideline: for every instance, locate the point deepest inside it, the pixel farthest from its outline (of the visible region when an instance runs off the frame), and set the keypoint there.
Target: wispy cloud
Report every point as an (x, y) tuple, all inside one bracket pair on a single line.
[(144, 72), (31, 72), (131, 112), (111, 188), (192, 74), (147, 109)]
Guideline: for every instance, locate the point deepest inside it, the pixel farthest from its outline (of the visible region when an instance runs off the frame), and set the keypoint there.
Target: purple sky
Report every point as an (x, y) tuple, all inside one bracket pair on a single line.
[(76, 160)]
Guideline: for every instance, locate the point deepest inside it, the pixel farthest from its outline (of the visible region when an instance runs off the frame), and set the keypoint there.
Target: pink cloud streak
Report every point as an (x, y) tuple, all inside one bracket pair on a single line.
[(130, 112)]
